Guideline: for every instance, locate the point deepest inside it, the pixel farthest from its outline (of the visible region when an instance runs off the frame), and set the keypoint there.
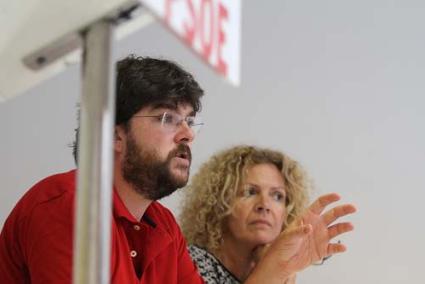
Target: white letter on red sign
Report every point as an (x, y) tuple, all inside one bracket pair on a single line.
[(206, 40), (222, 15), (189, 28)]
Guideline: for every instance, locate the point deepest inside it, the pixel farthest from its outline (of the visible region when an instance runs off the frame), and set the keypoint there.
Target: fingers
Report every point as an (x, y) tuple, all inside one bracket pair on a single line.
[(337, 212), (338, 229), (336, 248), (319, 205)]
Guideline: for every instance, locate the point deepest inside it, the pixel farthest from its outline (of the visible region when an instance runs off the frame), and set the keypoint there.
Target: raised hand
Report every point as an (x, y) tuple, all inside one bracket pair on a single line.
[(306, 241), (318, 243)]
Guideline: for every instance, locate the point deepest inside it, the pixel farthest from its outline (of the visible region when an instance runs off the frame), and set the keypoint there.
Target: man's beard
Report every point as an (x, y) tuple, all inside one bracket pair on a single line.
[(150, 176)]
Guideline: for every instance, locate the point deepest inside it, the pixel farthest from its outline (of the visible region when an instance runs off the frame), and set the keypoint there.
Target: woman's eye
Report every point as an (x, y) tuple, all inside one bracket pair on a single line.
[(278, 196), (249, 191)]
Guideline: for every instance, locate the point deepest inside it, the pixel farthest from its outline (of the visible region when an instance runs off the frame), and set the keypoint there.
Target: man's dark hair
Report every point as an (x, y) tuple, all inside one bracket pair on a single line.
[(145, 81)]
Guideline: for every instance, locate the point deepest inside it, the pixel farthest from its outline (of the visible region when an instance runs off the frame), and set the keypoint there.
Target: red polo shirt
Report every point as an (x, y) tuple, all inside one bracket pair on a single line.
[(36, 240)]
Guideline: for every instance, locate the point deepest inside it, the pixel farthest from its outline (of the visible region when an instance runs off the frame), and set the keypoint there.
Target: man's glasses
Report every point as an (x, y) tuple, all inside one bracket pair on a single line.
[(171, 121)]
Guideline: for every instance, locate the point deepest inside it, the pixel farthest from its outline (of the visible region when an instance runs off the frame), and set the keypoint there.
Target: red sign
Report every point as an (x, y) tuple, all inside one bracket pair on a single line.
[(210, 27)]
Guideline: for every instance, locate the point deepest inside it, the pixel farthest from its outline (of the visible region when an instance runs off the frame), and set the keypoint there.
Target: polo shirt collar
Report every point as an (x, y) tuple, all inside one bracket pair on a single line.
[(121, 211)]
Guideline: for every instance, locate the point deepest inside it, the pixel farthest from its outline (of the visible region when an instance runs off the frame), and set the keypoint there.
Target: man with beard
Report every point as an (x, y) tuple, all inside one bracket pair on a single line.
[(156, 106)]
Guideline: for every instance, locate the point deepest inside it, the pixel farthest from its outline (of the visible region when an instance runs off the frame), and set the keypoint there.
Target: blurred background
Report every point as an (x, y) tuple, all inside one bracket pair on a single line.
[(338, 85)]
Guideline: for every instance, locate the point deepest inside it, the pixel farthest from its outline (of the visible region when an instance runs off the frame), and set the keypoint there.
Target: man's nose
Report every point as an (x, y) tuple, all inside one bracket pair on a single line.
[(184, 133)]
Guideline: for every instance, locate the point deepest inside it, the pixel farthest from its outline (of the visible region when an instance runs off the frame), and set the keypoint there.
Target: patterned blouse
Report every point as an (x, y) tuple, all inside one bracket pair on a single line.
[(210, 268)]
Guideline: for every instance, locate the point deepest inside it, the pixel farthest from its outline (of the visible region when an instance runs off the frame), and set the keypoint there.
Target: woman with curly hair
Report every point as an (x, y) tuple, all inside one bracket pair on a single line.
[(239, 201)]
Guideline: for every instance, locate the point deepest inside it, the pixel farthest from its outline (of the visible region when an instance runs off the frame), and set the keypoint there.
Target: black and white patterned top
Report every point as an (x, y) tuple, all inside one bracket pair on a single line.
[(210, 268)]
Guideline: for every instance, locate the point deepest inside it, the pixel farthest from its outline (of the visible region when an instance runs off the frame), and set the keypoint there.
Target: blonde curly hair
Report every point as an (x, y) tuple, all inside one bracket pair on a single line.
[(208, 200)]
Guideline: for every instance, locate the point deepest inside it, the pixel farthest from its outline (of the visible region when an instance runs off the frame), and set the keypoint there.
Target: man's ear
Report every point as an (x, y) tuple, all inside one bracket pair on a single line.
[(120, 136)]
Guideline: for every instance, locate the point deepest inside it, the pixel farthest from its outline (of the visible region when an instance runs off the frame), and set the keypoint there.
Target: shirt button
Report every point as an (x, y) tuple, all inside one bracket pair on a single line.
[(136, 227), (133, 253)]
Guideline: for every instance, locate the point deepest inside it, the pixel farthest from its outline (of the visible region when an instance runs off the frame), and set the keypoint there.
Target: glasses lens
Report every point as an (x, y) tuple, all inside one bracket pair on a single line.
[(195, 123), (171, 122)]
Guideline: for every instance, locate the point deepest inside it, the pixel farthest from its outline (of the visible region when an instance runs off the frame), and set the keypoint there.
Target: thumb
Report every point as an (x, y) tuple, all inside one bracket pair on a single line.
[(297, 231), (259, 252)]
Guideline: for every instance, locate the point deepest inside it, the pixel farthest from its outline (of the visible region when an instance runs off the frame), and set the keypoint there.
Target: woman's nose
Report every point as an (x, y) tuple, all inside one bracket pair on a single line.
[(262, 205)]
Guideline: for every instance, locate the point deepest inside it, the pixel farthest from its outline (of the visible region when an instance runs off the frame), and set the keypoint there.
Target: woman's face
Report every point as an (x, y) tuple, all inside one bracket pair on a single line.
[(259, 209)]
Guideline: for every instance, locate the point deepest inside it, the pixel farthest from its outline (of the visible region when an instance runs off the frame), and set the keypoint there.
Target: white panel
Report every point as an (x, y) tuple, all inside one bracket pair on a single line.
[(28, 25)]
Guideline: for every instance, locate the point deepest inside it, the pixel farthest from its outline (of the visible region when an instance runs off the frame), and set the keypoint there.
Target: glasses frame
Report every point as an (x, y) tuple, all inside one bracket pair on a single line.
[(195, 127)]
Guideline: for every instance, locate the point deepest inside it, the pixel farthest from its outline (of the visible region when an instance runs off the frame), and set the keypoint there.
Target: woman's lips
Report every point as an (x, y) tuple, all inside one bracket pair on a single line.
[(261, 222)]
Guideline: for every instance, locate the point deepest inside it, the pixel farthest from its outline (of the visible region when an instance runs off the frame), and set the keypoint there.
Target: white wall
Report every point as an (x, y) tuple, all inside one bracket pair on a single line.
[(336, 84)]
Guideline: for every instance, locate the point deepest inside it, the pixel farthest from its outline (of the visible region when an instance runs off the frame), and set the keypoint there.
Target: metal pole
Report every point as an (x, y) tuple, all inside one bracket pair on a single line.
[(92, 231)]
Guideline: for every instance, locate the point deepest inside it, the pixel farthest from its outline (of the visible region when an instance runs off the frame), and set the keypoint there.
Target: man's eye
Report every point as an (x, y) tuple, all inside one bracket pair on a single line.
[(190, 121), (168, 118)]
